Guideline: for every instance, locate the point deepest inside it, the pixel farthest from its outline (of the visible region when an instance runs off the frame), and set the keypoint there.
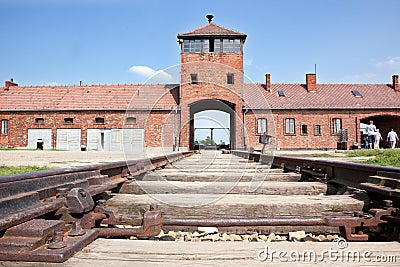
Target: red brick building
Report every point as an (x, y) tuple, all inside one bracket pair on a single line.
[(135, 117)]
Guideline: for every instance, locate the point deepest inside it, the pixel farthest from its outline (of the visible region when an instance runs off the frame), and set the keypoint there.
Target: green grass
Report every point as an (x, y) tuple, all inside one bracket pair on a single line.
[(8, 170), (383, 157)]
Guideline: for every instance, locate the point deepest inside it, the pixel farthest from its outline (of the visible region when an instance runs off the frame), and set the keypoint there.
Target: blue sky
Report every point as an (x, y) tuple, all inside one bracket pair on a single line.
[(63, 42)]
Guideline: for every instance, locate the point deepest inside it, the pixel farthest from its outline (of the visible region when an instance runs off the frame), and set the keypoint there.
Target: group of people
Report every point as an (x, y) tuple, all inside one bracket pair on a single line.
[(374, 136)]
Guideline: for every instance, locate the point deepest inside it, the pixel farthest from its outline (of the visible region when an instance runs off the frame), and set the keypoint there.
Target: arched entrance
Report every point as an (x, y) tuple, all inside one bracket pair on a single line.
[(213, 105), (382, 122)]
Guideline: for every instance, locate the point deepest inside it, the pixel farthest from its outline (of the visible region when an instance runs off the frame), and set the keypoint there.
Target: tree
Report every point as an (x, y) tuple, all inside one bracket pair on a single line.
[(207, 141)]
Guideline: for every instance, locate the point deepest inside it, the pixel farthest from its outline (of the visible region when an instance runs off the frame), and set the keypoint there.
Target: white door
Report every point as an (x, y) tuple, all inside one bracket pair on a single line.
[(133, 140), (36, 136), (98, 140), (93, 140), (69, 139)]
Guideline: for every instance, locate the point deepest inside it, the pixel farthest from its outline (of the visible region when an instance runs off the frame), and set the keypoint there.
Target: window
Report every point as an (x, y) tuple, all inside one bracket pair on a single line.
[(191, 46), (231, 46), (289, 126), (4, 127), (261, 126), (68, 120), (229, 78), (206, 46), (217, 46), (197, 46), (193, 78), (39, 120), (281, 93), (304, 129), (336, 125), (99, 120), (131, 120), (317, 130), (356, 93)]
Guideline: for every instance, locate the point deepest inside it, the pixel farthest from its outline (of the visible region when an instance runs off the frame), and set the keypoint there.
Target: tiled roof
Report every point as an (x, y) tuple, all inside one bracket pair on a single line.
[(92, 97), (211, 29), (327, 96), (161, 96)]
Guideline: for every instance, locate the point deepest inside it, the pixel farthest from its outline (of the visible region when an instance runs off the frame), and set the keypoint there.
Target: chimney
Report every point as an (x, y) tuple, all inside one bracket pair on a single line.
[(268, 82), (311, 80), (10, 83), (395, 79)]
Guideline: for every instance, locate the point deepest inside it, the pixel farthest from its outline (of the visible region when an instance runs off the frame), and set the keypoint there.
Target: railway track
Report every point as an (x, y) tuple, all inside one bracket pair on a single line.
[(50, 215)]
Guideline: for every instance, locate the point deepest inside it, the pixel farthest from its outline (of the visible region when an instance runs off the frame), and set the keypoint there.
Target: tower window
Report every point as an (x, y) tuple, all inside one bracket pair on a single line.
[(231, 46), (68, 120), (229, 78), (191, 46), (206, 46), (193, 78), (131, 120), (39, 120), (217, 46), (212, 46), (197, 46), (99, 120)]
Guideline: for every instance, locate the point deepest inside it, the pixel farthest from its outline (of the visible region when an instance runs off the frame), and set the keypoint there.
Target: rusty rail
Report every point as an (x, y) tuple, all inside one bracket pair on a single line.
[(362, 176), (66, 196), (78, 215)]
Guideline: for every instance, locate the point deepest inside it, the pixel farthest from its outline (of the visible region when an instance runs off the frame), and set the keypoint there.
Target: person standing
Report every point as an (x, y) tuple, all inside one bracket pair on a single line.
[(391, 138), (371, 129), (378, 138)]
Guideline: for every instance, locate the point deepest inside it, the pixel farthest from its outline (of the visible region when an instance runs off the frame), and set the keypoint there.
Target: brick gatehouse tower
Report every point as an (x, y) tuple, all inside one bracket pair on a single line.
[(211, 78)]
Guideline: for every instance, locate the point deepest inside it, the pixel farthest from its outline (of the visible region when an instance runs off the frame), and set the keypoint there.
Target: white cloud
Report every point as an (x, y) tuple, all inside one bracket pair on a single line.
[(392, 62), (142, 70), (148, 72)]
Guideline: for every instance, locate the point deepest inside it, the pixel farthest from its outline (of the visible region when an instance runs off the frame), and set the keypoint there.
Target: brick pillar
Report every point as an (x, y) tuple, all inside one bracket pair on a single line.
[(311, 80), (395, 79)]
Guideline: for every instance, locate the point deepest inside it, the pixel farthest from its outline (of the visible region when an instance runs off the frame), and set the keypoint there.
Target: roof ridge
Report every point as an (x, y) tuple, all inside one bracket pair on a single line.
[(223, 30)]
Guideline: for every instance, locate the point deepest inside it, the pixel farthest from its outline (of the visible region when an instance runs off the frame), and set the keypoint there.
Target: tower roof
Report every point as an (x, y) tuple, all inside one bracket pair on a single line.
[(212, 30)]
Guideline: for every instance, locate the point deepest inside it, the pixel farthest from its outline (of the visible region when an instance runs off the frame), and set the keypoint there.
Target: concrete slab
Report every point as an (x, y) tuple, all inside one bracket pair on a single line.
[(238, 205), (127, 253), (263, 188)]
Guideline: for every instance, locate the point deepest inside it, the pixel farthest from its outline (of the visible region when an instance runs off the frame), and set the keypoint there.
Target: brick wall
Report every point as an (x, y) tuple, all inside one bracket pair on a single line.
[(350, 120), (20, 122)]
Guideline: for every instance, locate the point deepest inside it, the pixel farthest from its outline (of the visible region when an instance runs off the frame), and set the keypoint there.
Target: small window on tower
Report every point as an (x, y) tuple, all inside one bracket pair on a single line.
[(69, 121), (229, 78), (99, 120), (131, 120), (193, 78), (39, 121)]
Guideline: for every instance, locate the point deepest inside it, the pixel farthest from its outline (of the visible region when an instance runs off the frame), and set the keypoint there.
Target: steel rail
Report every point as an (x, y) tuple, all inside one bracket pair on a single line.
[(232, 222), (103, 167), (339, 173)]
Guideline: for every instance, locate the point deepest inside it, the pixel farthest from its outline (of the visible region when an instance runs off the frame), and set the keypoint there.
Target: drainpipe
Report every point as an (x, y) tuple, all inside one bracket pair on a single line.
[(176, 136), (244, 128)]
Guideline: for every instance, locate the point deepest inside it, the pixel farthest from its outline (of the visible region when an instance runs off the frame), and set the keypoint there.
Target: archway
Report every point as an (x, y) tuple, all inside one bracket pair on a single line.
[(382, 122), (213, 120)]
